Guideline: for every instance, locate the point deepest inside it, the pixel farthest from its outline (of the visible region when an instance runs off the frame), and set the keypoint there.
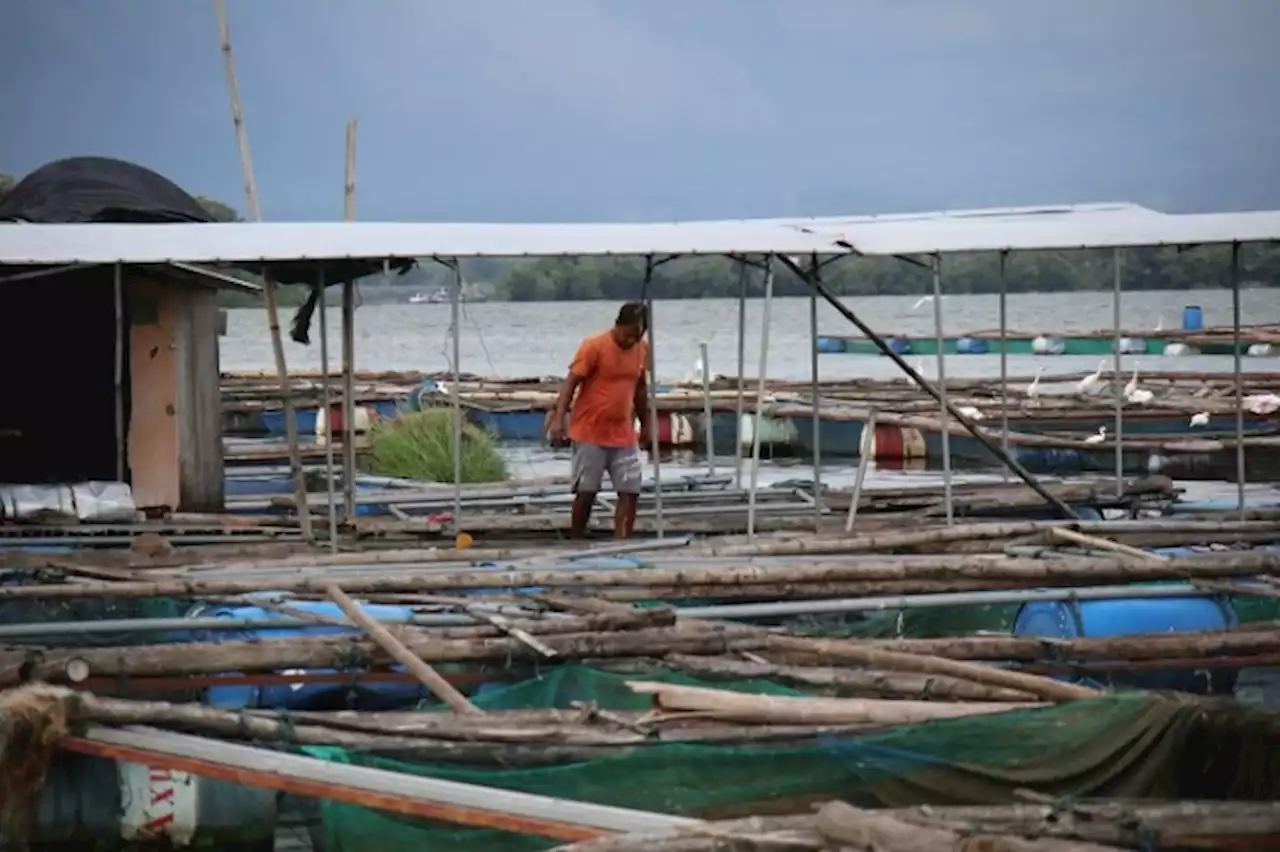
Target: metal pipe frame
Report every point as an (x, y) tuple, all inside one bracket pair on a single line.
[(1058, 505), (328, 414), (1238, 380), (651, 392), (121, 438), (349, 471), (744, 279), (944, 404), (760, 393), (709, 437), (1004, 352), (1117, 386), (455, 320), (816, 271)]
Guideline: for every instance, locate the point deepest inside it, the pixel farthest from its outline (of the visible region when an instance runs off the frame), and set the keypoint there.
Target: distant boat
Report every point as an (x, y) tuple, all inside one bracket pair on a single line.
[(438, 297)]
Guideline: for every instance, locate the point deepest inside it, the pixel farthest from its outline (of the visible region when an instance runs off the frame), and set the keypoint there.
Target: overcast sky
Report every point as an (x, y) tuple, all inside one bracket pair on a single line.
[(661, 109)]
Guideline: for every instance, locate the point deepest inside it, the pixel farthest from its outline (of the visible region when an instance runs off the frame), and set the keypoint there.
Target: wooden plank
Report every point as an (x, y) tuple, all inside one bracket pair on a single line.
[(432, 798)]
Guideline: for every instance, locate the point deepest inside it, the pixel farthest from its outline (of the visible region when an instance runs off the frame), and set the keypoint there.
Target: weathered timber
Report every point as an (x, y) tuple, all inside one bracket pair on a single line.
[(1251, 640), (857, 828), (860, 653), (729, 706), (985, 567), (847, 683), (347, 652), (426, 675)]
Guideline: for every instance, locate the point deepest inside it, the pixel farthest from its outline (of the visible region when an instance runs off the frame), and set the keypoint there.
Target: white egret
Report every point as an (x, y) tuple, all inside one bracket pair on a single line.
[(1033, 389), (1099, 437), (1089, 384), (1201, 419), (1141, 396), (1132, 384)]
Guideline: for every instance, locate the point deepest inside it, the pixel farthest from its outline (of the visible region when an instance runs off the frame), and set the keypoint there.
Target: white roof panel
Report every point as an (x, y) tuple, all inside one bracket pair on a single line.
[(1019, 229), (243, 242), (1002, 214), (1100, 230)]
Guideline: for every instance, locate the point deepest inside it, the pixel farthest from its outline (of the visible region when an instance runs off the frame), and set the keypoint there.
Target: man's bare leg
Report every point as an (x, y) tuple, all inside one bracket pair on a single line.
[(582, 503), (624, 515)]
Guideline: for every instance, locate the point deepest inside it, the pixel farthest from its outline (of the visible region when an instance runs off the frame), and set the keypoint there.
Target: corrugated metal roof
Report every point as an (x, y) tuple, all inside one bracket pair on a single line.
[(1005, 214), (1029, 233), (266, 242), (1098, 226)]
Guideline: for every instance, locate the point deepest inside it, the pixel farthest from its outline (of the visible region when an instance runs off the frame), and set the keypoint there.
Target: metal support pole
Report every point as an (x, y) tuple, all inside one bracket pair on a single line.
[(1060, 507), (1236, 376), (659, 523), (866, 447), (815, 271), (944, 406), (121, 441), (327, 407), (706, 409), (1004, 354), (744, 278), (1117, 386), (760, 394), (349, 472), (455, 311)]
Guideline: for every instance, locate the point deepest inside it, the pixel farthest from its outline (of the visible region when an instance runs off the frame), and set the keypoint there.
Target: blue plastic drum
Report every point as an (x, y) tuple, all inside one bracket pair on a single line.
[(1130, 617), (972, 346), (353, 695), (1192, 318)]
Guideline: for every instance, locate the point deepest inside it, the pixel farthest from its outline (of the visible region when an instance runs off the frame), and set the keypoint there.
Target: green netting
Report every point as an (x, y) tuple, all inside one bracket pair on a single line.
[(1127, 745)]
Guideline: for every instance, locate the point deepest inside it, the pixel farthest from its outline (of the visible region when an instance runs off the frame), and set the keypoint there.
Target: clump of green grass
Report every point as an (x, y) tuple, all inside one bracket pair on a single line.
[(419, 445)]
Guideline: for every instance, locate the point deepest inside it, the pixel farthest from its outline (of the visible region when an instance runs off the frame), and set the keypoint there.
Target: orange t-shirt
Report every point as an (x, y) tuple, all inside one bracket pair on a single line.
[(602, 414)]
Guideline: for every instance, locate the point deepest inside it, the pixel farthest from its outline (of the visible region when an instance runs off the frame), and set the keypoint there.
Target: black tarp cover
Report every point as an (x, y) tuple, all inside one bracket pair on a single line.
[(101, 189), (98, 189)]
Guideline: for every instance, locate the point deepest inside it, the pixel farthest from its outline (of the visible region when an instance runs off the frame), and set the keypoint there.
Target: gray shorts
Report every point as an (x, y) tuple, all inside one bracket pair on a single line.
[(590, 462)]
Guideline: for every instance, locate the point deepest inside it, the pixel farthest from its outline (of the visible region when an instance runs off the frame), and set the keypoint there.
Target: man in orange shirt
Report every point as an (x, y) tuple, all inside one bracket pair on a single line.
[(607, 374)]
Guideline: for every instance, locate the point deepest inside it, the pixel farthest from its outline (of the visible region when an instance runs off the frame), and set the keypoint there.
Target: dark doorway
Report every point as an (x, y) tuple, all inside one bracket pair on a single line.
[(57, 391)]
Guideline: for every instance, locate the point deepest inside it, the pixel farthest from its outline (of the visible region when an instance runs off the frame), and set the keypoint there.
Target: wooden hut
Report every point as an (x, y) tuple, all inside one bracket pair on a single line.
[(111, 372)]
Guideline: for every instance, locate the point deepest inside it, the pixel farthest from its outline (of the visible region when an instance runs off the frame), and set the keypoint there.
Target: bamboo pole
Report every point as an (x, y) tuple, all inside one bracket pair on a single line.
[(428, 676), (749, 708), (269, 284), (921, 570), (1050, 690)]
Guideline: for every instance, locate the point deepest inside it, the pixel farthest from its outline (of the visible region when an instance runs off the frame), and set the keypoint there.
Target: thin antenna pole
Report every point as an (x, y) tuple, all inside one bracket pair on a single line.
[(269, 285)]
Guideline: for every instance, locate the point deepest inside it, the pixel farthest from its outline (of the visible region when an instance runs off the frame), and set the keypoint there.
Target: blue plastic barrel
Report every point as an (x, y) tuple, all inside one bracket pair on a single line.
[(830, 345), (352, 695), (971, 346), (1129, 617), (1192, 318), (899, 345)]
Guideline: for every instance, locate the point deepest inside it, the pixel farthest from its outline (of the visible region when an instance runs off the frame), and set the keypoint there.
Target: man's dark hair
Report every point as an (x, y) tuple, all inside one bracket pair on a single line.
[(632, 313)]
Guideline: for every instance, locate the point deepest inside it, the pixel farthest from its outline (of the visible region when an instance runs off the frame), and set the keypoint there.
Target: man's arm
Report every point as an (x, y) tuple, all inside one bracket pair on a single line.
[(565, 398), (584, 364), (641, 403)]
